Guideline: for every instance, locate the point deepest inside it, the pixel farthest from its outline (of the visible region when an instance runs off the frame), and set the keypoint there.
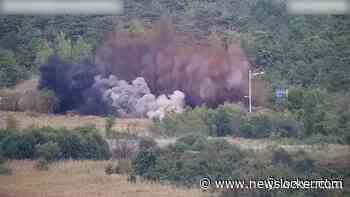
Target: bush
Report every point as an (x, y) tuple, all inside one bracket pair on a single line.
[(222, 121), (190, 121), (18, 146), (258, 125), (49, 151), (110, 121), (286, 125), (42, 164), (109, 169), (183, 164), (9, 71), (147, 143), (145, 161), (3, 169), (225, 120), (49, 143)]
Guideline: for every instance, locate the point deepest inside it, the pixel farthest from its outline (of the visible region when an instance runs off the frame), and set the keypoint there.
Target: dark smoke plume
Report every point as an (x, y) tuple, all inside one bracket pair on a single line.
[(72, 85), (206, 71)]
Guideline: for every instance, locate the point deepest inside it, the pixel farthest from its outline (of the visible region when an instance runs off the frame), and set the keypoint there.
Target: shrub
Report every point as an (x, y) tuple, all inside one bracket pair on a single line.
[(18, 146), (190, 121), (225, 120), (110, 121), (4, 133), (82, 143), (295, 99), (49, 151), (42, 164), (147, 143), (145, 161), (286, 125), (258, 125), (109, 169), (9, 71), (3, 169), (181, 164), (280, 155)]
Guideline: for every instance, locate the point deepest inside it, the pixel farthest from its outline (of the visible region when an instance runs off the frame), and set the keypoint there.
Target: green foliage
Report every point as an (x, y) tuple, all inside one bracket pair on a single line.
[(50, 144), (44, 52), (186, 165), (257, 125), (81, 51), (225, 119), (73, 52), (64, 47), (110, 121), (222, 121), (81, 145), (190, 121), (48, 151), (285, 124), (18, 146), (145, 162), (9, 71)]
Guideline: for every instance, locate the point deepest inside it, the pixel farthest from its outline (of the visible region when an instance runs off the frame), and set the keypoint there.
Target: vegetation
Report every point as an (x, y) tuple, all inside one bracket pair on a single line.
[(80, 178), (191, 158), (51, 144), (308, 55), (304, 120)]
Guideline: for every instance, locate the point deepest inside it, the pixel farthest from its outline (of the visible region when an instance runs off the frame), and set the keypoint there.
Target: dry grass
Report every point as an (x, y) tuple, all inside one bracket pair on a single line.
[(28, 119), (79, 179)]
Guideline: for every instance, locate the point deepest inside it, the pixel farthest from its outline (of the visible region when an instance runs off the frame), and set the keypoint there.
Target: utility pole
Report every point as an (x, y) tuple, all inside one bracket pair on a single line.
[(250, 90), (250, 76)]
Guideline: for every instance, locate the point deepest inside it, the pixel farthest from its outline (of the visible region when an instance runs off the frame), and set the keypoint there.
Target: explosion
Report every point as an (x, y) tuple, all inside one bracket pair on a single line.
[(148, 73)]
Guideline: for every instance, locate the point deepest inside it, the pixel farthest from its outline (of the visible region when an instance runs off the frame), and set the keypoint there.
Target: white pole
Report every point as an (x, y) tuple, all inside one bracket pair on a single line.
[(250, 91)]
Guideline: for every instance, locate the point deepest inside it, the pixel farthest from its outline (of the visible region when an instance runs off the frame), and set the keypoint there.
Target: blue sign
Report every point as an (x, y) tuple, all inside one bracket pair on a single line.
[(281, 94)]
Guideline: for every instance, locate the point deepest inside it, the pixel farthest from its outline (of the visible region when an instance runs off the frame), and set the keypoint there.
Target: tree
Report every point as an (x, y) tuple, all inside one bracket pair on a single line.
[(9, 71)]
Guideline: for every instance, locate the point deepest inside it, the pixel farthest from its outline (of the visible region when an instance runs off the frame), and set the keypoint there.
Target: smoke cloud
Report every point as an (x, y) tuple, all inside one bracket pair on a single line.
[(135, 99), (145, 74), (207, 71)]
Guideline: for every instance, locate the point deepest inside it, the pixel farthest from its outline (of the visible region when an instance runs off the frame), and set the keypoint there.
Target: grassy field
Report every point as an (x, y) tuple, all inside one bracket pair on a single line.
[(80, 179), (28, 119)]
